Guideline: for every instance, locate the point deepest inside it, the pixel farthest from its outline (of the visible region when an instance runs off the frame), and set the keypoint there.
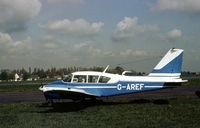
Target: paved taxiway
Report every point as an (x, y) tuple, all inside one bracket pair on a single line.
[(28, 97)]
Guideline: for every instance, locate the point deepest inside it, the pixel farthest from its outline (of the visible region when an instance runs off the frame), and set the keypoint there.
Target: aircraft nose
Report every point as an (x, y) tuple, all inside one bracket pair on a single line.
[(41, 88)]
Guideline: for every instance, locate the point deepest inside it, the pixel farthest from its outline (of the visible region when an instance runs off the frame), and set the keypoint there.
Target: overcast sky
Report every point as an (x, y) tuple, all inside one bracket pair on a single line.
[(133, 33)]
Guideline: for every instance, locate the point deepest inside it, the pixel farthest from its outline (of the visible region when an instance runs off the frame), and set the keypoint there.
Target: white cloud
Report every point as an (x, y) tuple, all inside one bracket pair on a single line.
[(129, 27), (21, 47), (175, 33), (14, 14), (76, 27), (135, 53), (9, 47), (191, 6), (66, 1), (87, 48), (5, 39), (82, 45), (50, 45), (49, 42)]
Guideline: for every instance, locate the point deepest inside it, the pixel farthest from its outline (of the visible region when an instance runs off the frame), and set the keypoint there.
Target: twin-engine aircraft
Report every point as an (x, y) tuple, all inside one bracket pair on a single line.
[(91, 84)]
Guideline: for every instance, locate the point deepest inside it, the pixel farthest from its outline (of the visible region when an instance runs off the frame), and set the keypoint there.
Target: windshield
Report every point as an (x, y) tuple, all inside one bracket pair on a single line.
[(68, 78)]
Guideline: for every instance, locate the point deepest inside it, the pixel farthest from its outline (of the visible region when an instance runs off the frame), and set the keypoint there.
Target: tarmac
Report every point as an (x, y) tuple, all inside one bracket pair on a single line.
[(37, 96)]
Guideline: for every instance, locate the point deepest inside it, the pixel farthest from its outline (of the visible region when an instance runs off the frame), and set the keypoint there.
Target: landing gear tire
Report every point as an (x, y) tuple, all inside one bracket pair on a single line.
[(49, 102), (78, 100)]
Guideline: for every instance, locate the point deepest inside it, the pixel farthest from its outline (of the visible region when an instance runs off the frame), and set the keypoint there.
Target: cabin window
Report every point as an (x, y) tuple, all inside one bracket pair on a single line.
[(79, 79), (92, 79), (104, 79)]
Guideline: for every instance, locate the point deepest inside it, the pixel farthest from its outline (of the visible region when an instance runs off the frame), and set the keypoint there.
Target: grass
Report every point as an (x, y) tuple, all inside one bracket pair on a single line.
[(173, 113), (192, 81), (24, 82), (21, 86), (179, 112)]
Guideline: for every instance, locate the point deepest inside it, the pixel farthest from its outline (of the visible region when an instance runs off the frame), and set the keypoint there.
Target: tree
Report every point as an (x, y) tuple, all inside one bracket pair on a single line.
[(119, 70), (4, 75), (41, 73), (11, 75), (26, 75)]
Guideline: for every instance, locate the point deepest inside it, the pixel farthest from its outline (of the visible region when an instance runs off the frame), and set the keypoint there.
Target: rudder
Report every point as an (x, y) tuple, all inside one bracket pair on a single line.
[(170, 64)]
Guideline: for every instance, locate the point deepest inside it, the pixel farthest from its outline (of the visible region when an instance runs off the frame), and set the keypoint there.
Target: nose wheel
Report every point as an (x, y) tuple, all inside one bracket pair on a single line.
[(49, 102)]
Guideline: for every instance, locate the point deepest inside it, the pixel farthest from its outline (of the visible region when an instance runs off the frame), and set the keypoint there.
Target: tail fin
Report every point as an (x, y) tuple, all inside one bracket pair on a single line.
[(170, 64)]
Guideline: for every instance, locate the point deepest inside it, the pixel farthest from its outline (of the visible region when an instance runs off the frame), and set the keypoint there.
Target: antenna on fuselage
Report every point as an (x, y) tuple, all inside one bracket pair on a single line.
[(105, 69)]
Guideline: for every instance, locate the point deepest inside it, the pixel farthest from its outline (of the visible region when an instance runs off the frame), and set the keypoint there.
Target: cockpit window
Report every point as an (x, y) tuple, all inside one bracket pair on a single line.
[(92, 79), (79, 79), (104, 79), (68, 78)]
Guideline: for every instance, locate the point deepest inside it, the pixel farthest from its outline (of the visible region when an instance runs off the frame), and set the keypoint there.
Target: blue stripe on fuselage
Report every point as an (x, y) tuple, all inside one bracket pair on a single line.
[(104, 89)]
